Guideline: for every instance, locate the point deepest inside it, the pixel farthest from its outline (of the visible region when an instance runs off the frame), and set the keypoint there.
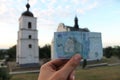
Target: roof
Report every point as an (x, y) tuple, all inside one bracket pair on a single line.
[(27, 13), (78, 29)]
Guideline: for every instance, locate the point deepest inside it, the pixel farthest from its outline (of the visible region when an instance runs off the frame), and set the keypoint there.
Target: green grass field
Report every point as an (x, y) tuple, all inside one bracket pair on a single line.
[(29, 76), (99, 73)]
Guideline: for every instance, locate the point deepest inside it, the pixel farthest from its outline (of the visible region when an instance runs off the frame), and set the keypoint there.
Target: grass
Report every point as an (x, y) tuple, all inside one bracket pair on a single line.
[(99, 73), (28, 76), (111, 60)]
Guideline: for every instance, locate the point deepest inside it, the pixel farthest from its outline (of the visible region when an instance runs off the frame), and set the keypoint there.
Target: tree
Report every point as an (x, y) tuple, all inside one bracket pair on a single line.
[(4, 73), (108, 52), (116, 51), (11, 52), (44, 52), (2, 54)]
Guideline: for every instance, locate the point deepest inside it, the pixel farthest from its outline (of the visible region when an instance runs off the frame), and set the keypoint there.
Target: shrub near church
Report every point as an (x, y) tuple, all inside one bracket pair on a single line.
[(4, 74), (112, 51)]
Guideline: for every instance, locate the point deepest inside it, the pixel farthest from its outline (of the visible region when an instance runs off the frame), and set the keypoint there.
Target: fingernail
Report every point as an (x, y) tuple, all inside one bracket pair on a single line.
[(77, 57), (73, 78)]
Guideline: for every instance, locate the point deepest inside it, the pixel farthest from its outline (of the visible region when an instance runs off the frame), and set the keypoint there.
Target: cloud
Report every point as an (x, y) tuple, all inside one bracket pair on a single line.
[(81, 11), (52, 2), (75, 1), (87, 6), (43, 1), (79, 2), (84, 1), (33, 2), (3, 7), (9, 12), (49, 14), (53, 11), (93, 5)]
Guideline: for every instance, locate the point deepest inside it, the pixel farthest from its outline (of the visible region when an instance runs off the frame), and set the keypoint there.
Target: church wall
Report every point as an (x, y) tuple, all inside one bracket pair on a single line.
[(24, 22), (29, 55), (26, 33), (61, 28)]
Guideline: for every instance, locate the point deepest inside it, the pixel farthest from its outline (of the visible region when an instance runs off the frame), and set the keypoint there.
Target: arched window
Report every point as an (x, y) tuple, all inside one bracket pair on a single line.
[(29, 36), (29, 25), (30, 46)]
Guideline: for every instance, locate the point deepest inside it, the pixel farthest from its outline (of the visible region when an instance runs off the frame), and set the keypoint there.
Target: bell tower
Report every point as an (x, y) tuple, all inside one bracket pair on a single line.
[(27, 43)]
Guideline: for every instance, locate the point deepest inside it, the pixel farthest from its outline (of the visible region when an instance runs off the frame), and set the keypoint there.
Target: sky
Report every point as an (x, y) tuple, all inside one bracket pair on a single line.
[(96, 15)]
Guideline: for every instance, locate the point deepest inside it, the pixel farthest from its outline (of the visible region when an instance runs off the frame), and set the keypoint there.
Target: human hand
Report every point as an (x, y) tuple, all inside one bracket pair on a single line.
[(59, 69)]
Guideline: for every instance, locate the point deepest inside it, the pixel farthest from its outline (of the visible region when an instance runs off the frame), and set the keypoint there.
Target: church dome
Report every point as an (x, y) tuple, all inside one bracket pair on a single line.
[(27, 13)]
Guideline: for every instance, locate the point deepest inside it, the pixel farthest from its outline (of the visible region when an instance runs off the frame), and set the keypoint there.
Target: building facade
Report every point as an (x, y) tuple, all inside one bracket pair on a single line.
[(27, 43)]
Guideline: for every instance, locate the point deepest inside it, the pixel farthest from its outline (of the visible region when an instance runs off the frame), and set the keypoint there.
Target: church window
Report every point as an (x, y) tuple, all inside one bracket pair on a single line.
[(29, 36), (29, 25), (30, 46)]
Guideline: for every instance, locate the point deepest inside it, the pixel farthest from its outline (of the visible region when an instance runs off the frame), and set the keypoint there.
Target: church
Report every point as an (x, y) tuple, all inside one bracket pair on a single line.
[(62, 27), (27, 43)]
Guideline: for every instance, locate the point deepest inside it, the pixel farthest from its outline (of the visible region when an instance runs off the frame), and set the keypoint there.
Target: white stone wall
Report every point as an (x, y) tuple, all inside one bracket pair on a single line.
[(24, 34), (23, 22), (61, 28), (28, 55)]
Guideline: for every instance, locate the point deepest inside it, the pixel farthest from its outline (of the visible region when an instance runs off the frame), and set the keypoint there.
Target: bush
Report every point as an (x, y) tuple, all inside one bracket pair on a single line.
[(112, 51), (108, 52), (4, 73), (117, 51), (44, 52)]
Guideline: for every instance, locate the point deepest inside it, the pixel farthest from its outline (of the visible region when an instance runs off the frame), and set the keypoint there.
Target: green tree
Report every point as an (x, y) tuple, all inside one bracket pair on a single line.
[(12, 53), (108, 52), (45, 51), (4, 73), (1, 54), (116, 51)]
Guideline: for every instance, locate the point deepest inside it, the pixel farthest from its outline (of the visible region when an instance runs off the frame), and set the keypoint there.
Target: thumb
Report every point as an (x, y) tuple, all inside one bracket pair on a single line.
[(71, 65)]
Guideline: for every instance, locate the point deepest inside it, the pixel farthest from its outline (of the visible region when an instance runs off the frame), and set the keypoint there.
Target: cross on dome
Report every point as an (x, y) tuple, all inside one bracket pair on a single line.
[(27, 13)]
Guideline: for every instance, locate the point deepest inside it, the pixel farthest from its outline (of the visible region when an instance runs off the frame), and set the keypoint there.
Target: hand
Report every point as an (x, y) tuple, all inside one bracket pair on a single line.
[(59, 69)]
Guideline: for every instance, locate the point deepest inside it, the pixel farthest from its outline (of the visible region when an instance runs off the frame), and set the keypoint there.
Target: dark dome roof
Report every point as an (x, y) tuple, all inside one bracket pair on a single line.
[(27, 13)]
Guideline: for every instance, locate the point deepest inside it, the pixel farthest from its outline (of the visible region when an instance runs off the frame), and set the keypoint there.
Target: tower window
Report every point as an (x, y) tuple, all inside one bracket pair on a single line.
[(29, 36), (29, 25), (30, 46)]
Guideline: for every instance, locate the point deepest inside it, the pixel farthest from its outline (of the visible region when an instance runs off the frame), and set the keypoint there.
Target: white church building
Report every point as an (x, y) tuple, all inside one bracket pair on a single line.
[(27, 43)]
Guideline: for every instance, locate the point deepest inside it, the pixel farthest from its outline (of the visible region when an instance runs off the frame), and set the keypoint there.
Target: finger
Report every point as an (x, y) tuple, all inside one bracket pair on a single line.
[(72, 75), (71, 65), (56, 63)]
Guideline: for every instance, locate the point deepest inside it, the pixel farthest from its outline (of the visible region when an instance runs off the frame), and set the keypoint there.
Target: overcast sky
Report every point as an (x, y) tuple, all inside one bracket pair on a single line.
[(97, 15)]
